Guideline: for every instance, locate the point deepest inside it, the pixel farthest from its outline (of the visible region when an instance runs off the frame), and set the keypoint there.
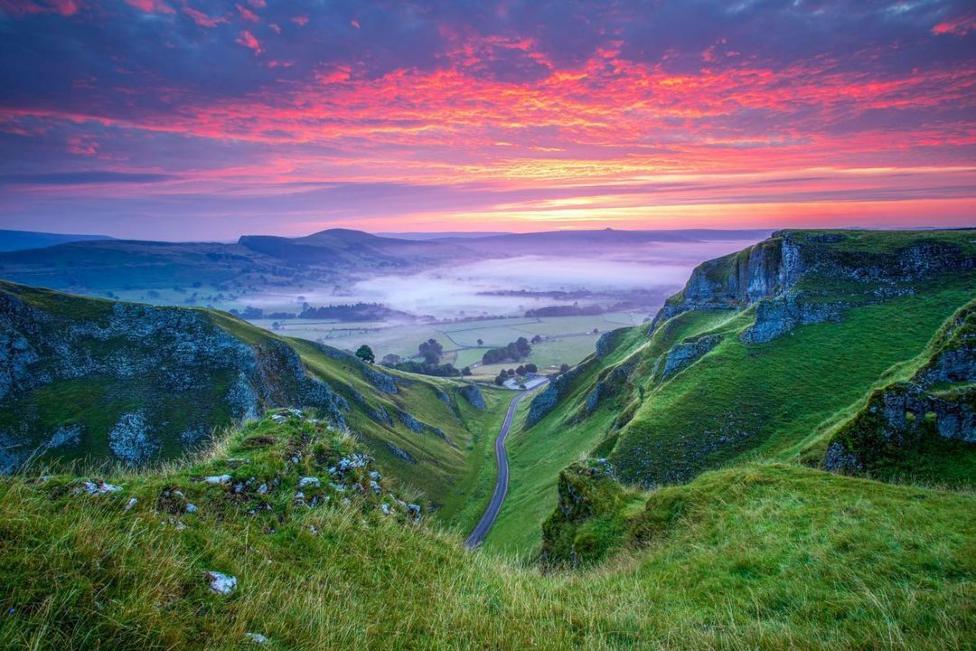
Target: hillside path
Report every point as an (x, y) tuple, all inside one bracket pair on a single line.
[(501, 483)]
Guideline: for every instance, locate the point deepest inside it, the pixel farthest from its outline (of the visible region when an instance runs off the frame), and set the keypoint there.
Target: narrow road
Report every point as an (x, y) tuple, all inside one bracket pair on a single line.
[(501, 484)]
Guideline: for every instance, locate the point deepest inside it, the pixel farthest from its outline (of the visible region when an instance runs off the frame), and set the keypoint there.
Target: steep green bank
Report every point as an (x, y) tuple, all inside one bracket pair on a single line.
[(923, 427)]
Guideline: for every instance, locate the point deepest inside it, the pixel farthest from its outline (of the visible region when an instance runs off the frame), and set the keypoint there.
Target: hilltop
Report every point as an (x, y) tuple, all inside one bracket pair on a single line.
[(21, 240)]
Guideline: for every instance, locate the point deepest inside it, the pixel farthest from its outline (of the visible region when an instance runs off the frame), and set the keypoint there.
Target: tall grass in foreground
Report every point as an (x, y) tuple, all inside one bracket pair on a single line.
[(762, 557)]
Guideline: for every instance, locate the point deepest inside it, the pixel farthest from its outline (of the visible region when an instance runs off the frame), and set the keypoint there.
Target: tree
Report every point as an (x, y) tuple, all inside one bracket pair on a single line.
[(537, 339), (520, 370), (466, 371), (531, 368), (390, 360), (513, 351), (481, 342), (431, 350), (365, 353), (564, 368)]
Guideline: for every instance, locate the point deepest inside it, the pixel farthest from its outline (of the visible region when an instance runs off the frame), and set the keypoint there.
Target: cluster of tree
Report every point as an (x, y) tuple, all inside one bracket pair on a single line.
[(515, 351), (439, 370), (250, 312), (365, 353), (520, 373), (431, 350), (351, 312), (565, 310)]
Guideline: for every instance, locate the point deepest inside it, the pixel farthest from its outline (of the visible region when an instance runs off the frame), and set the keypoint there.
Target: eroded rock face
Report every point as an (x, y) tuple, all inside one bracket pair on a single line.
[(737, 280), (472, 394), (586, 490), (687, 353), (772, 274), (782, 314), (131, 441), (183, 373), (546, 401)]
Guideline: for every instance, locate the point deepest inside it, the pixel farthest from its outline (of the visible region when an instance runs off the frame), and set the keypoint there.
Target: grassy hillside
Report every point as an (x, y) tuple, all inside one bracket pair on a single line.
[(756, 557), (539, 453), (767, 399), (760, 357), (921, 425), (89, 381)]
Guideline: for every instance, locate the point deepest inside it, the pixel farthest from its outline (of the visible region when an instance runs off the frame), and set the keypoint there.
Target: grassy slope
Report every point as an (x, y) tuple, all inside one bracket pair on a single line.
[(782, 393), (761, 556), (930, 459), (776, 401), (452, 473), (537, 455)]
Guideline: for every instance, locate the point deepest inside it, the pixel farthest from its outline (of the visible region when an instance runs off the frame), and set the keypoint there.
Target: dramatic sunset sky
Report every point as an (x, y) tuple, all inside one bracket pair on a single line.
[(190, 119)]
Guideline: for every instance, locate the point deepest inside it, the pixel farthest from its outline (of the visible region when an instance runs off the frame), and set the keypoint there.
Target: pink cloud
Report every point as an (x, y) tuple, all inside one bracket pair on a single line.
[(334, 75), (247, 14), (151, 6), (957, 26), (26, 7), (301, 21), (248, 40), (202, 19), (354, 23), (82, 146)]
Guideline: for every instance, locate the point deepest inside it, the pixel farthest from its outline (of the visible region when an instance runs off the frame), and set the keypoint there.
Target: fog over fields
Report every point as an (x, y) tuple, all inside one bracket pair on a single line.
[(466, 289)]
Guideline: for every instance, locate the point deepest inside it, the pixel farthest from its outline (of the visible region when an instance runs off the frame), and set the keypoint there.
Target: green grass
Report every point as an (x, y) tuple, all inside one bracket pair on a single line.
[(567, 339), (769, 557), (771, 400), (537, 455)]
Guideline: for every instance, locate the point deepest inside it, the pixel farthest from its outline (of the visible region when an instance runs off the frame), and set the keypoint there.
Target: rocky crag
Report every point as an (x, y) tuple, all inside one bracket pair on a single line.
[(803, 277), (94, 380), (937, 404), (134, 382)]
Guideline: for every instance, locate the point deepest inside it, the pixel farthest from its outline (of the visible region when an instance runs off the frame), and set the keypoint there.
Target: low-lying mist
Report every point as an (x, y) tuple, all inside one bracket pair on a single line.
[(641, 275)]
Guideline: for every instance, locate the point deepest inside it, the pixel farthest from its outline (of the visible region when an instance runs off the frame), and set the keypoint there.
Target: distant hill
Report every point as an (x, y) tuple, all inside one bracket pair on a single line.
[(433, 235), (260, 261), (21, 240), (576, 242), (353, 248)]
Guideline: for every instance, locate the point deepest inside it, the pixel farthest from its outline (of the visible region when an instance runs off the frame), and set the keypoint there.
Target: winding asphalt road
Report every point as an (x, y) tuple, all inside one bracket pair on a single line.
[(501, 484)]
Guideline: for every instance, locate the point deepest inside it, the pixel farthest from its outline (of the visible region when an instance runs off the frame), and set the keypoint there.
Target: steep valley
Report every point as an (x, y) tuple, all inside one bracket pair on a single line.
[(783, 458)]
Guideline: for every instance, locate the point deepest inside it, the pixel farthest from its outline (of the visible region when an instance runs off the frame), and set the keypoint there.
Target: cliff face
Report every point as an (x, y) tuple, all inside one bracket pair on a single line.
[(133, 382), (937, 404), (801, 277)]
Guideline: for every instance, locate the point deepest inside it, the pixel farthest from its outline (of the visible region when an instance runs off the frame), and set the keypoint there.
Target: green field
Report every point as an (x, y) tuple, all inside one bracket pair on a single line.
[(567, 340)]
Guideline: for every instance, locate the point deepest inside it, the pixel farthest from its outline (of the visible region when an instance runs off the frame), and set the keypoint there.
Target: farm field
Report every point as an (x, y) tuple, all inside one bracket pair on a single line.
[(565, 339)]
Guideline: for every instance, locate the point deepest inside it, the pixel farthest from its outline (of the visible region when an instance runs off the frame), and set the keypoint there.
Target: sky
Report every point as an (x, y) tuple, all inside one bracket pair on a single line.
[(195, 119)]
